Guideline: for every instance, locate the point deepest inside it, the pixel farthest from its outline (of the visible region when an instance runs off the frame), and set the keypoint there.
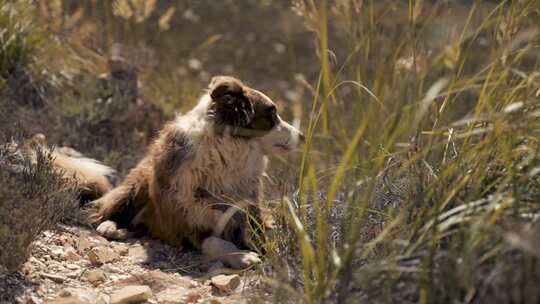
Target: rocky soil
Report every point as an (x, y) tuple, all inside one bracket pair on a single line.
[(75, 265)]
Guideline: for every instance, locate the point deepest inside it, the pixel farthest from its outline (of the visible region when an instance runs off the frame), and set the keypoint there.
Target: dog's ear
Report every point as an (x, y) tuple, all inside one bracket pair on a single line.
[(223, 85), (230, 105)]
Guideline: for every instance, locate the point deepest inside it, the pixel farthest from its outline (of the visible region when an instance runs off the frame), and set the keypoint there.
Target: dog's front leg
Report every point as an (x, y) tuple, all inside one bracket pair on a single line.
[(218, 249)]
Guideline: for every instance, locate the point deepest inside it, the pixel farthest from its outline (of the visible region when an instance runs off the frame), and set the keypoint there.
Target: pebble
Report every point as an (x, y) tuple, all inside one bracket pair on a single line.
[(95, 276), (226, 283), (71, 254), (102, 255), (131, 294), (176, 295), (53, 277), (138, 254)]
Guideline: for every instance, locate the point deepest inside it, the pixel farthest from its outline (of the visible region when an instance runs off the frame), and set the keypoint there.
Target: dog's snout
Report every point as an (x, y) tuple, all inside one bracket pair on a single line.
[(302, 137)]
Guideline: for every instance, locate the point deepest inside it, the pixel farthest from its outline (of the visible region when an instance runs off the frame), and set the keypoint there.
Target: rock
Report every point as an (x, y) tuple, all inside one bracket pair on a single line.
[(226, 283), (102, 255), (111, 269), (177, 295), (67, 300), (156, 280), (37, 262), (83, 244), (53, 277), (138, 254), (121, 249), (131, 294), (99, 240), (74, 274), (95, 276), (79, 296), (58, 252), (72, 267), (192, 297), (71, 254)]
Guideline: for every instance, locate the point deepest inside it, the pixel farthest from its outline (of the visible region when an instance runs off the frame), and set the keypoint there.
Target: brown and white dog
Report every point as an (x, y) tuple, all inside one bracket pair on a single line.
[(201, 179)]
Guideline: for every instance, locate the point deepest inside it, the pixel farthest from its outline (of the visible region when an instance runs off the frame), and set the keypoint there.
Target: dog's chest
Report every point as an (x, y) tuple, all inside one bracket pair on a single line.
[(231, 168)]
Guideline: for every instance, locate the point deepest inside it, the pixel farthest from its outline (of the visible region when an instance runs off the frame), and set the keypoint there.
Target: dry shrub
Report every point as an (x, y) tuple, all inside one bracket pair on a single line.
[(33, 198)]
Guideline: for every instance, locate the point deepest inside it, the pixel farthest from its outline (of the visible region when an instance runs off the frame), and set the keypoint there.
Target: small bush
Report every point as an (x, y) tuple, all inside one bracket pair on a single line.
[(33, 198)]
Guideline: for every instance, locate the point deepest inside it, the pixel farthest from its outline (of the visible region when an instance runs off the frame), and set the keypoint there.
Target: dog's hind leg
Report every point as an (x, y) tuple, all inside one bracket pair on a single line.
[(110, 204)]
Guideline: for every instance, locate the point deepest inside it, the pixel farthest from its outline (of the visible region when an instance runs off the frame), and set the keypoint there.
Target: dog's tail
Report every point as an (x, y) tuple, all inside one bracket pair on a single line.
[(92, 177)]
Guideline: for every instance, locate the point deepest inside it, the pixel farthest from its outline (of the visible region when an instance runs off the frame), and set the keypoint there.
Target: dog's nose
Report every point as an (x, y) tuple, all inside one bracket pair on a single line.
[(301, 137)]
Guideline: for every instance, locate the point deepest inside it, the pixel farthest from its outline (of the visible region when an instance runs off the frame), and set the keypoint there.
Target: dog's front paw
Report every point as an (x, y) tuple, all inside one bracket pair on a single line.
[(109, 230), (242, 259), (215, 248)]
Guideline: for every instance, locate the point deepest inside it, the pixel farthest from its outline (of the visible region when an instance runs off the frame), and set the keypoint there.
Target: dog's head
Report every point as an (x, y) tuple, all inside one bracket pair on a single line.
[(247, 113)]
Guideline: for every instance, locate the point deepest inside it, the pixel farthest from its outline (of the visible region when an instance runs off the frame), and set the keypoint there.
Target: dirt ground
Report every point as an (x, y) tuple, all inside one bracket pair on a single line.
[(76, 265)]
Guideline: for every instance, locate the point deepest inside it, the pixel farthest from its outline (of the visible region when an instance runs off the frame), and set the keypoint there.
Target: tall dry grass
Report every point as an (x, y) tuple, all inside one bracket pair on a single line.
[(419, 180)]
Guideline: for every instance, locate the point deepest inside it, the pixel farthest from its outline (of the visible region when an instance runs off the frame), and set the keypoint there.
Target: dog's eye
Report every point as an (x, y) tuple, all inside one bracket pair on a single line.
[(228, 99), (272, 110)]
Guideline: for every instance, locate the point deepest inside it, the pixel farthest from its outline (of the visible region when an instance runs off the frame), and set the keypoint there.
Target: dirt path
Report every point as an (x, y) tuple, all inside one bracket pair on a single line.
[(75, 265)]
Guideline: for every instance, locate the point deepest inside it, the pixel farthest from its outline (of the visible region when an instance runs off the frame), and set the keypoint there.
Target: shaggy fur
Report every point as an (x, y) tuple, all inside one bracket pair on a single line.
[(201, 179), (90, 177)]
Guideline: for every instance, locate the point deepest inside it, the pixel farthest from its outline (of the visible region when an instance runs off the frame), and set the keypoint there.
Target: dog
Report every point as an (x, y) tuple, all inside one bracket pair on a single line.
[(201, 179)]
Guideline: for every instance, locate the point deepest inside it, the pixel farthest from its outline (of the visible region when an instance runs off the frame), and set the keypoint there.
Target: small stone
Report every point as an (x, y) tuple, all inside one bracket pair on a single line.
[(226, 283), (111, 269), (80, 297), (67, 300), (53, 277), (131, 294), (83, 244), (175, 295), (138, 254), (36, 261), (99, 240), (72, 267), (71, 254), (58, 252), (102, 255), (121, 249), (192, 298), (95, 276), (74, 274)]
